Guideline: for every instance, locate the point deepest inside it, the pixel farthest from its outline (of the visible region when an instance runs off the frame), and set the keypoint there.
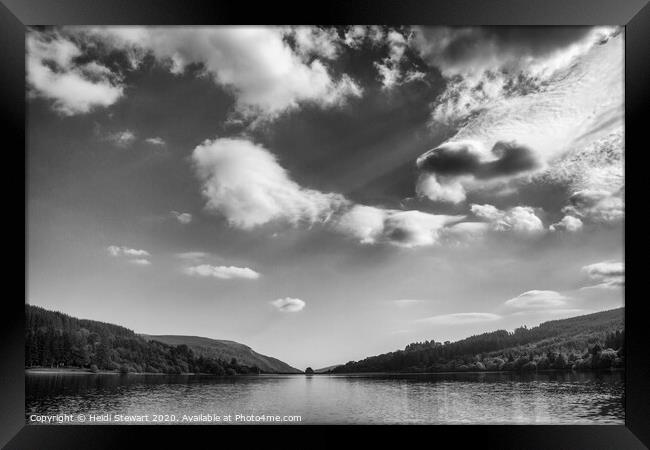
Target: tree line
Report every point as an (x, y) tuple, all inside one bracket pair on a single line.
[(56, 340), (581, 343)]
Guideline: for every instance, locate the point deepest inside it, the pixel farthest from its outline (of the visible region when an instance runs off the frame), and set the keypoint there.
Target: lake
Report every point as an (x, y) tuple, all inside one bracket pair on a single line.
[(460, 398)]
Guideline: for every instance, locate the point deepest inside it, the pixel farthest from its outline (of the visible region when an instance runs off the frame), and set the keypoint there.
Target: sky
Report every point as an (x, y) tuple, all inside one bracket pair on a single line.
[(325, 194)]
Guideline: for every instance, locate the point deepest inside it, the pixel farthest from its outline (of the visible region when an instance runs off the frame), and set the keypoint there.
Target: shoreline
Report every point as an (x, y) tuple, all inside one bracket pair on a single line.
[(479, 371), (78, 371)]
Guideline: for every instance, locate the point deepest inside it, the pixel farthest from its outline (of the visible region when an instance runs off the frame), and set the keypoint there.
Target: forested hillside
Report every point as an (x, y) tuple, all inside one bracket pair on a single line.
[(54, 339), (593, 341), (226, 350)]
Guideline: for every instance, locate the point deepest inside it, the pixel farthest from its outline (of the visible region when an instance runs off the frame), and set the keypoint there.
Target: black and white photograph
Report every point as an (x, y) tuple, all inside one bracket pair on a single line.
[(325, 225)]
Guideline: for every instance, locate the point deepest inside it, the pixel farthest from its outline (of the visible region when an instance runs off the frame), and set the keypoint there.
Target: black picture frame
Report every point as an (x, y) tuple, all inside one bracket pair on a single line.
[(15, 15)]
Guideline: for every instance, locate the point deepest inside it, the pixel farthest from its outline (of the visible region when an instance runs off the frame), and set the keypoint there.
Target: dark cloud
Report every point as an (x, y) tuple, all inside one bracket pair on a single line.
[(450, 161), (469, 43), (457, 159), (536, 41), (513, 159)]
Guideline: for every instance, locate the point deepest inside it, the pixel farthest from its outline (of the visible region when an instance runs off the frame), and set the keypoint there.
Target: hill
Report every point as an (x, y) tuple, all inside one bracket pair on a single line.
[(54, 339), (593, 341), (326, 369), (226, 350)]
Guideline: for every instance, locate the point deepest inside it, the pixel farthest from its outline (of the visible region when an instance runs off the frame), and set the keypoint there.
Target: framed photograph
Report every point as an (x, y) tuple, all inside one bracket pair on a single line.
[(377, 214)]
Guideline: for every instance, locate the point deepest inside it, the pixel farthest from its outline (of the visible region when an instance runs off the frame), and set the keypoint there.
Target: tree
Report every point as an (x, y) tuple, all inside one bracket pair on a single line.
[(101, 355), (560, 362), (309, 371)]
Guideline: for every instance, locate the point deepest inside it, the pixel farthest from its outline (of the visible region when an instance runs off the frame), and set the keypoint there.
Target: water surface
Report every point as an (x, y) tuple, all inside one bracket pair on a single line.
[(467, 398)]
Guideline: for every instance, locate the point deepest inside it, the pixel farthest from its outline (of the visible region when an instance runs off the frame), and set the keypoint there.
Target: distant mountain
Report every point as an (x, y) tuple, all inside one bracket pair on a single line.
[(326, 369), (54, 339), (225, 350), (593, 341)]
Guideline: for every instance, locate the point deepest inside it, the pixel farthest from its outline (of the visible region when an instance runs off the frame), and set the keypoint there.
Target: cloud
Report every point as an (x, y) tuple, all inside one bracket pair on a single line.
[(537, 299), (222, 272), (134, 252), (406, 302), (568, 112), (114, 250), (355, 35), (289, 304), (460, 318), (595, 175), (313, 41), (608, 274), (556, 313), (450, 166), (413, 228), (256, 63), (140, 262), (183, 218), (365, 223), (55, 73), (484, 64), (440, 189), (458, 50), (155, 141), (568, 223), (465, 232), (192, 256), (465, 158), (598, 206), (390, 72), (394, 70), (520, 219), (245, 183), (121, 138), (133, 255)]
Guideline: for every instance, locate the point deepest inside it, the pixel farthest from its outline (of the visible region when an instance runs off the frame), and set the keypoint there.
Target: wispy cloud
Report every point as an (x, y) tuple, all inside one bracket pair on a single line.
[(406, 302), (193, 256), (155, 141), (222, 272), (460, 318), (289, 304), (133, 255), (122, 138), (510, 87), (607, 274), (555, 313), (183, 218), (537, 299), (115, 250), (140, 262)]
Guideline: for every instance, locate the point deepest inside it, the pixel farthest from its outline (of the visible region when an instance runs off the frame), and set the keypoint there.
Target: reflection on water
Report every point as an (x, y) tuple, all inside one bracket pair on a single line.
[(487, 398)]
